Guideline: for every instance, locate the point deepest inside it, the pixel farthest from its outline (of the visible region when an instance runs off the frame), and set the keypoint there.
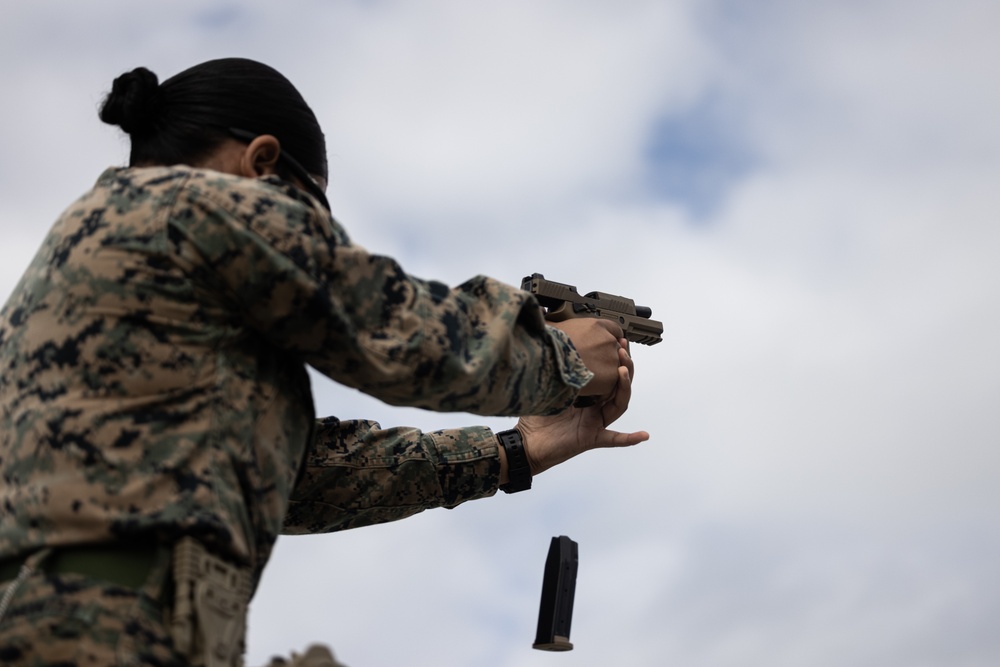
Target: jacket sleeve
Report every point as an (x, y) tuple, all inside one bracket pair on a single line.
[(291, 272), (358, 474)]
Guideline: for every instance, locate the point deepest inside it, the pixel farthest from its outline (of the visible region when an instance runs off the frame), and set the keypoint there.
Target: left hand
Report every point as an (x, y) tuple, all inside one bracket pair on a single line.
[(549, 441)]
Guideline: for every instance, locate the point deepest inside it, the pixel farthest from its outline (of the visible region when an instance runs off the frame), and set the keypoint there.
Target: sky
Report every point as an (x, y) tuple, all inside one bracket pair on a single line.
[(804, 193)]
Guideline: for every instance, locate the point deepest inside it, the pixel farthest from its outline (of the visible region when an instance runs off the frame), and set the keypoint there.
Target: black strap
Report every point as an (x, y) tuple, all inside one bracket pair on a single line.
[(518, 469)]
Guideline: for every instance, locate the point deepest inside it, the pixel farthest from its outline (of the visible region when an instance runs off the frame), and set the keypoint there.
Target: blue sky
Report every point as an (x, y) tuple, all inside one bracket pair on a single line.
[(805, 194), (696, 156)]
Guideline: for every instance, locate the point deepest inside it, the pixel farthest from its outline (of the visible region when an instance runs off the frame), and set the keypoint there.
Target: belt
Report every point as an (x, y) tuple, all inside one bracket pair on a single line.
[(127, 565)]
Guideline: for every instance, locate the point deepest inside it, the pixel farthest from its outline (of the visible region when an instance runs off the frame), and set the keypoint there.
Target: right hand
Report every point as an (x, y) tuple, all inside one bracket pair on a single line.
[(597, 341)]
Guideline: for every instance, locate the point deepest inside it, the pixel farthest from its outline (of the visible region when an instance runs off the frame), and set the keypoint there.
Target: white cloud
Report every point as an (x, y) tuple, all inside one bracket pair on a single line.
[(820, 486)]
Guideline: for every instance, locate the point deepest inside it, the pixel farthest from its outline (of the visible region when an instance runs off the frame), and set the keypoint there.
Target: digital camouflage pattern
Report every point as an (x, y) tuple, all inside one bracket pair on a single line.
[(72, 621), (153, 382)]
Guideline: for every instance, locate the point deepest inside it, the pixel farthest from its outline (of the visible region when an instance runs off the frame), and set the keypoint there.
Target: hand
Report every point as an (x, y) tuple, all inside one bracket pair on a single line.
[(549, 441), (598, 342)]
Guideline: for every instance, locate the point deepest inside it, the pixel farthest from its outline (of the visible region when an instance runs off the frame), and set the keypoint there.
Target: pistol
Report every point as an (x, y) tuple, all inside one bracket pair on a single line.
[(562, 302)]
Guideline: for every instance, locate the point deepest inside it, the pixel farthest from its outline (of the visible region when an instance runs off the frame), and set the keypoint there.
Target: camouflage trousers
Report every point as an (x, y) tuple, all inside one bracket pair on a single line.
[(70, 620)]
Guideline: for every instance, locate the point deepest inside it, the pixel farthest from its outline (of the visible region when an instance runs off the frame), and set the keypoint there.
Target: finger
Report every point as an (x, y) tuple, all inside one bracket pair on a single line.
[(623, 392), (625, 359), (619, 439), (618, 403)]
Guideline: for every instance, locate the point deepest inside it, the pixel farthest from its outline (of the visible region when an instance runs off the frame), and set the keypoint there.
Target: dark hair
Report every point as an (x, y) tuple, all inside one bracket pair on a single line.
[(191, 113)]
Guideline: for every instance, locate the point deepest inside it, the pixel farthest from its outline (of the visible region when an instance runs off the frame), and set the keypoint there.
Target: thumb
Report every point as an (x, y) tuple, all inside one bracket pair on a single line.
[(608, 438)]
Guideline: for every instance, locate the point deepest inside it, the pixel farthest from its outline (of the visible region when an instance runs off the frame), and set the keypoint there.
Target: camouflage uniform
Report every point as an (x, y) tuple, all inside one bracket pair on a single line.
[(153, 382)]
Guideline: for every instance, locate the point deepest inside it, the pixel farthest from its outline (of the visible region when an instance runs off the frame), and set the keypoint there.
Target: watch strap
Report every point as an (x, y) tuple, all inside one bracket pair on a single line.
[(518, 468)]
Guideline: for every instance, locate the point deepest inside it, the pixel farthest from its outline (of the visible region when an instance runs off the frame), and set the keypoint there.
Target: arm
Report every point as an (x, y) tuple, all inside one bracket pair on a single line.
[(290, 272), (358, 474)]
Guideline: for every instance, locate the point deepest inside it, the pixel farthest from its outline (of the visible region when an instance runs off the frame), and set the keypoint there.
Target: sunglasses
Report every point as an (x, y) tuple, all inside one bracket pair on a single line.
[(293, 165)]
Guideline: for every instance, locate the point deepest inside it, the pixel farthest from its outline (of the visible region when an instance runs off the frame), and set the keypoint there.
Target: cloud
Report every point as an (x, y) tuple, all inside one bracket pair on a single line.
[(805, 195), (510, 106)]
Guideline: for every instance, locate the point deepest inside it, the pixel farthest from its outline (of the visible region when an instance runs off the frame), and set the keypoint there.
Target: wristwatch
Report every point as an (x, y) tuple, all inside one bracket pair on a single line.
[(518, 469)]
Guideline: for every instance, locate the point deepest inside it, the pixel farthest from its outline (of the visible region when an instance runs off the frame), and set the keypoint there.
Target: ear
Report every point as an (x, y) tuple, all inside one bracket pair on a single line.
[(260, 158)]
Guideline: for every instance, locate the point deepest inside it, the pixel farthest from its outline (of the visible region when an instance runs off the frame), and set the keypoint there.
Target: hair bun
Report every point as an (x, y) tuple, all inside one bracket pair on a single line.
[(132, 102)]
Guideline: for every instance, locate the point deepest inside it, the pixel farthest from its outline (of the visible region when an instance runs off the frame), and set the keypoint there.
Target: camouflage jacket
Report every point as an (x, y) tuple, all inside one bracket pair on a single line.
[(153, 381)]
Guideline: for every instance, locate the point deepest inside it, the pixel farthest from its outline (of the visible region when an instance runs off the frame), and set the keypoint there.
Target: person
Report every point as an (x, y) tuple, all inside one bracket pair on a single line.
[(157, 430)]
